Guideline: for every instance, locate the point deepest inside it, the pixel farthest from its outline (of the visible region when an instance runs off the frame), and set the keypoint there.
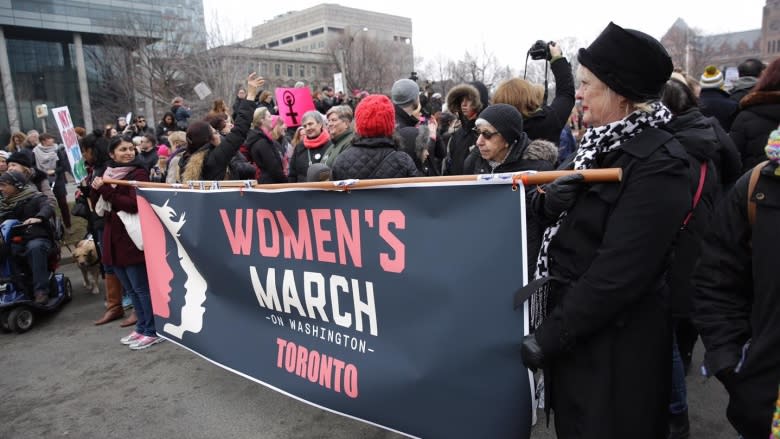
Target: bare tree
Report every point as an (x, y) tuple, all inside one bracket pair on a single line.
[(483, 67), (367, 62), (145, 69)]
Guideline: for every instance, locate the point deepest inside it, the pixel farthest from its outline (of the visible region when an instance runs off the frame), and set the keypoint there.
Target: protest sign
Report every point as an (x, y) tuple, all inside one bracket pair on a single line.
[(293, 103), (71, 142), (390, 305)]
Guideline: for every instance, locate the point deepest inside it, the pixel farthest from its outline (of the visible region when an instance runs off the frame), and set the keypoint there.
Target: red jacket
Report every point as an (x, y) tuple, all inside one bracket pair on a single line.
[(118, 249)]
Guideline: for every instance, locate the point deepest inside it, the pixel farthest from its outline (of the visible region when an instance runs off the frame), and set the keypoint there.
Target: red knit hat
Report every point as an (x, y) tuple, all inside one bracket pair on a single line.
[(375, 117)]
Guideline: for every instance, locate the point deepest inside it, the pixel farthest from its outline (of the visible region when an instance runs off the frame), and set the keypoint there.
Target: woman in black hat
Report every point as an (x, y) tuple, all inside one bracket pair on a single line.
[(23, 162), (601, 312)]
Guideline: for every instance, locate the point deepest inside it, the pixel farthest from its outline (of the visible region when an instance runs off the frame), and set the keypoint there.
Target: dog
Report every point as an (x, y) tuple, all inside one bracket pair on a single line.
[(86, 257)]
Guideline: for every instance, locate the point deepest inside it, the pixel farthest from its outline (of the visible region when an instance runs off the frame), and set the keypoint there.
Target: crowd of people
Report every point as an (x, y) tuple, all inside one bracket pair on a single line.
[(627, 276)]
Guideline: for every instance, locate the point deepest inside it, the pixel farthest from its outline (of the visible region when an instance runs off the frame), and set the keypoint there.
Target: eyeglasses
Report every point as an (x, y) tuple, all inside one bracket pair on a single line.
[(486, 134), (141, 120)]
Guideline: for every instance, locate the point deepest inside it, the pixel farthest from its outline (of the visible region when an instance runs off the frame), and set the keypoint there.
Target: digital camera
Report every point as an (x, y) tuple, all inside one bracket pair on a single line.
[(540, 50)]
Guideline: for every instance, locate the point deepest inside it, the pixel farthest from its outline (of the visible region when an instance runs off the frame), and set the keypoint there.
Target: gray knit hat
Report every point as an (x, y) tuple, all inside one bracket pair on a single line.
[(404, 92)]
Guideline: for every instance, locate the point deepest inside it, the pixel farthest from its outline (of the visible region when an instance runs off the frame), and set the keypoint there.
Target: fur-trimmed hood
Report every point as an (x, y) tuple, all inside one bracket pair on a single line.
[(541, 150), (193, 164), (760, 98), (461, 91)]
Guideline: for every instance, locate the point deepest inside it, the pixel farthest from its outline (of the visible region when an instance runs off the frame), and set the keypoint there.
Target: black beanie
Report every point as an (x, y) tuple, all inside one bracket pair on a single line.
[(631, 63), (14, 178), (198, 134), (506, 120), (22, 158)]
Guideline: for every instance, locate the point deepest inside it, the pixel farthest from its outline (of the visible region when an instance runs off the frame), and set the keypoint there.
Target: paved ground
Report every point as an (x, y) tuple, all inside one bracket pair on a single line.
[(69, 379)]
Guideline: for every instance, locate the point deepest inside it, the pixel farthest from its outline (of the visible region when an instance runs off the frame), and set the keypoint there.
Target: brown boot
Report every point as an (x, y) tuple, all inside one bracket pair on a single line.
[(130, 320), (113, 300)]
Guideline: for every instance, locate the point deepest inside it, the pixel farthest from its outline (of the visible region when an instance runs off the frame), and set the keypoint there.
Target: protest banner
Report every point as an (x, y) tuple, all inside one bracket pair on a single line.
[(293, 103), (391, 305), (71, 142)]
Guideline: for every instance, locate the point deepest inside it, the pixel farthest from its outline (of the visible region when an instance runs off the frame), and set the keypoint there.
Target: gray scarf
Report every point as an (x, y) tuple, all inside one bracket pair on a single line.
[(45, 157)]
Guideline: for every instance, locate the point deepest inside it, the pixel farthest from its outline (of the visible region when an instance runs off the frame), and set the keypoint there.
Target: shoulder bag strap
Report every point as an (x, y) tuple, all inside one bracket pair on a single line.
[(697, 196), (751, 207)]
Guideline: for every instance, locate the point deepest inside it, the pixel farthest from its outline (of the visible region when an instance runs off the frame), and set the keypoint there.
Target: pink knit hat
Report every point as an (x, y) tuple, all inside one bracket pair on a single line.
[(163, 151)]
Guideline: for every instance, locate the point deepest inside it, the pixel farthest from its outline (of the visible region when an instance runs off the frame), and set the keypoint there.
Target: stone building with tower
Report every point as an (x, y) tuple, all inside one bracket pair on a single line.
[(692, 52)]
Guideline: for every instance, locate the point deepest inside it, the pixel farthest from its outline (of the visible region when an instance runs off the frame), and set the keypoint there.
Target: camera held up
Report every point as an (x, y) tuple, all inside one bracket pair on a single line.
[(540, 50)]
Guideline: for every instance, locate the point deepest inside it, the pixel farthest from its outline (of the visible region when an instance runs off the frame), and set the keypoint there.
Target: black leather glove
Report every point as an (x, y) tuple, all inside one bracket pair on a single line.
[(531, 353), (561, 194)]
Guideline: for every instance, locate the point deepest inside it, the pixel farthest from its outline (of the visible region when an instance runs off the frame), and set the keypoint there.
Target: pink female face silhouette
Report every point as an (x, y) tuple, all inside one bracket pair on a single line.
[(158, 270)]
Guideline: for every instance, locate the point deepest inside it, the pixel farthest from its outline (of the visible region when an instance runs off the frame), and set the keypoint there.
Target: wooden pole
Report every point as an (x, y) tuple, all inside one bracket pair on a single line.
[(608, 175)]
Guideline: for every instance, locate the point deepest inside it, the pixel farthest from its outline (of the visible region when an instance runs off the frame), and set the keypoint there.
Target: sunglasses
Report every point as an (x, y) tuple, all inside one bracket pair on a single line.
[(486, 134)]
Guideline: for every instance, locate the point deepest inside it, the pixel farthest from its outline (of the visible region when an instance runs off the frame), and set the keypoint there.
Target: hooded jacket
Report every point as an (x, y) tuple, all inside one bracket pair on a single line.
[(697, 135), (760, 115), (464, 138), (742, 86)]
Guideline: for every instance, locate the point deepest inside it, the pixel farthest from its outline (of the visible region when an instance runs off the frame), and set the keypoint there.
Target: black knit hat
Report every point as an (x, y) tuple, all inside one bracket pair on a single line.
[(631, 63), (506, 120), (198, 134), (14, 178), (21, 158)]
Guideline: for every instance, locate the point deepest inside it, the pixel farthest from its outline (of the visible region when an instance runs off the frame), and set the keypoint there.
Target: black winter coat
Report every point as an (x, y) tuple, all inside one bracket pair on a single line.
[(737, 303), (267, 156), (697, 135), (60, 180), (459, 146), (218, 157), (523, 156), (373, 158), (760, 115), (548, 122), (303, 157), (404, 119), (149, 158), (37, 206), (728, 161), (463, 139), (608, 334), (164, 129), (717, 103)]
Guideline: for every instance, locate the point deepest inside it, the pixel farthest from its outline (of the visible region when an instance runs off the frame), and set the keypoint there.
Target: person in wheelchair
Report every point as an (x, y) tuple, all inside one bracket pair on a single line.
[(23, 202)]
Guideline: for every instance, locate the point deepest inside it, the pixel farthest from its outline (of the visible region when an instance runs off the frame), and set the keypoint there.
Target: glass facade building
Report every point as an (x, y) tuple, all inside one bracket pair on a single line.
[(44, 39)]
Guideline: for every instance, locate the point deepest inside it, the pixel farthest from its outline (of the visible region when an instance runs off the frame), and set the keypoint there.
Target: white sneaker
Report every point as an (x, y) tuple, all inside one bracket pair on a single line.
[(145, 341), (130, 339)]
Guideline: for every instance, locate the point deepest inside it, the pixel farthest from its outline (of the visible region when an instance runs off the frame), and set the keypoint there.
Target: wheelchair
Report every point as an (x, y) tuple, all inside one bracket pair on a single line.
[(18, 310)]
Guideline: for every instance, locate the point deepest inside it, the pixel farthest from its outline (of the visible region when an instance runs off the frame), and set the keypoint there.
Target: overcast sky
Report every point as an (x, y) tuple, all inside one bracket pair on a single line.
[(448, 29)]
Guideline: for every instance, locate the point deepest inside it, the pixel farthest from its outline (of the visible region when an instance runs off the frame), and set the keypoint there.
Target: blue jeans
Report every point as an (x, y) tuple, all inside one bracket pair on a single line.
[(98, 238), (36, 251), (679, 402), (135, 282)]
